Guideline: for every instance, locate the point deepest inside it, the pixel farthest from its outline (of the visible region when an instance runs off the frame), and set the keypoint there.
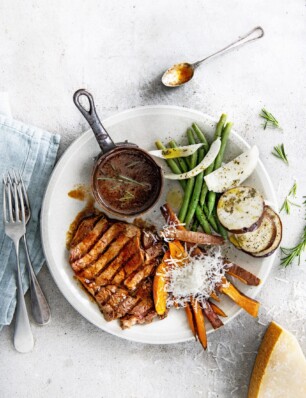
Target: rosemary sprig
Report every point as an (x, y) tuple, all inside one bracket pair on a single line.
[(290, 254), (270, 120), (127, 196), (107, 178), (122, 178), (133, 164), (287, 202), (279, 152), (292, 191), (128, 179)]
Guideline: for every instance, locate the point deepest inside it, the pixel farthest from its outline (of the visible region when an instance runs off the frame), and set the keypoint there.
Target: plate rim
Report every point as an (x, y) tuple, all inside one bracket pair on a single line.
[(86, 134)]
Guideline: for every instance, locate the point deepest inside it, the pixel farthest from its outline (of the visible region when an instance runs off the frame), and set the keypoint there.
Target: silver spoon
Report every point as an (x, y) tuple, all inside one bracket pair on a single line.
[(180, 74)]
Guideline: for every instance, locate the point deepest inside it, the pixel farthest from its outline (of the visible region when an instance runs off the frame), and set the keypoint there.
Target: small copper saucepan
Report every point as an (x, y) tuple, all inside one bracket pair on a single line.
[(125, 181)]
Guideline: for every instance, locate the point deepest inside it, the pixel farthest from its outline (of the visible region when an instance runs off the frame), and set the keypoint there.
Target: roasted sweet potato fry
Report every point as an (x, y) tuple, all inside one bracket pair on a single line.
[(191, 320), (249, 305), (192, 237), (177, 250), (243, 275), (212, 316), (171, 217), (159, 283), (199, 322), (214, 296), (217, 309)]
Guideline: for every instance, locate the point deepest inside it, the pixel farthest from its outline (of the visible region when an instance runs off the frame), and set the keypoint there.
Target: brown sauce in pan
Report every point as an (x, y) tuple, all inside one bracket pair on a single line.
[(127, 182)]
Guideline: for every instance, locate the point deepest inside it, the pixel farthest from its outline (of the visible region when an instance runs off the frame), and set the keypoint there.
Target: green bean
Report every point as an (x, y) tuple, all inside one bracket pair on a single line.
[(190, 181), (211, 219), (211, 199), (171, 163), (221, 229), (196, 191), (202, 220), (195, 225), (201, 137), (224, 138), (194, 157), (186, 199), (204, 191), (181, 161), (199, 193)]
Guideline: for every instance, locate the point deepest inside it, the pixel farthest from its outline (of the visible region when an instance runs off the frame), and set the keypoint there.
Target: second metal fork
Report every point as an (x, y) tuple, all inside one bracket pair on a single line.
[(14, 226), (39, 305)]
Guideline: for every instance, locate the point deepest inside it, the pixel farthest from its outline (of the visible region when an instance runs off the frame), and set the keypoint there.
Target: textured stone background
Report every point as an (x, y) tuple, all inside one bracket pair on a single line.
[(117, 50)]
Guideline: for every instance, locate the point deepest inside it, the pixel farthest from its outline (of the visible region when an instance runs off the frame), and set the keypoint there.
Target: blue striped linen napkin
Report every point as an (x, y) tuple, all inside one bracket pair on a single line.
[(33, 152)]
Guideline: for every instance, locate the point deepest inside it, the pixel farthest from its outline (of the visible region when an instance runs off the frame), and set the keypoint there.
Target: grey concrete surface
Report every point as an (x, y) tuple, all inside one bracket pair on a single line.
[(118, 49)]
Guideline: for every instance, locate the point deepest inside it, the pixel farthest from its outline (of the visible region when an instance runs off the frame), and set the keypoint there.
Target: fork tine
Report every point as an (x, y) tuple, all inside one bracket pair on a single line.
[(16, 202), (10, 178), (9, 195), (4, 201), (24, 191), (21, 201)]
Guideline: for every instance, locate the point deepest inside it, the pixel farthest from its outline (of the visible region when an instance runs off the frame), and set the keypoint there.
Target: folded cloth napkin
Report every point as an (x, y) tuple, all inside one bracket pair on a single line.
[(33, 152)]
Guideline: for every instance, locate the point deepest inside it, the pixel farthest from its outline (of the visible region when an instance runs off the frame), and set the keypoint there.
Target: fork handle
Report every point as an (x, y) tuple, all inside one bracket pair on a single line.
[(39, 305), (23, 337)]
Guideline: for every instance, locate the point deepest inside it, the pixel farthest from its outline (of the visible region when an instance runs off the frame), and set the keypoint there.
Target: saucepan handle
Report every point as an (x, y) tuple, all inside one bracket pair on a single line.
[(104, 140)]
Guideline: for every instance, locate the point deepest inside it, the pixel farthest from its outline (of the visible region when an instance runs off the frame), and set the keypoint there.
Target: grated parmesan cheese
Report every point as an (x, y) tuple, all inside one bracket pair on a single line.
[(195, 277)]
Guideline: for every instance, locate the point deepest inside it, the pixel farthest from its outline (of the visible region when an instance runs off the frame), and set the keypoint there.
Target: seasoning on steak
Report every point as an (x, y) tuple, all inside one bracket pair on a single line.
[(115, 262)]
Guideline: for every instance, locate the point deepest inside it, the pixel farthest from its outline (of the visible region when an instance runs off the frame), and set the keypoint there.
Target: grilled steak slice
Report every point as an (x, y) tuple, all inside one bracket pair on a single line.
[(144, 311), (115, 262), (92, 255), (83, 229), (87, 238)]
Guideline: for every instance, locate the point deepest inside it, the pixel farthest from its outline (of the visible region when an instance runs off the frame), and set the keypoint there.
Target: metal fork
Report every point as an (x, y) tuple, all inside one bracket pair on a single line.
[(14, 226), (39, 305)]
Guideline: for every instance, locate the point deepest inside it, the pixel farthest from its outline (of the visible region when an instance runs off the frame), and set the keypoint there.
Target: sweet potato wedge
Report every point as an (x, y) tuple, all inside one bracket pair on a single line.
[(159, 283), (217, 310), (177, 250), (243, 275), (214, 296), (199, 322), (192, 237), (212, 316), (171, 217), (249, 305), (191, 320)]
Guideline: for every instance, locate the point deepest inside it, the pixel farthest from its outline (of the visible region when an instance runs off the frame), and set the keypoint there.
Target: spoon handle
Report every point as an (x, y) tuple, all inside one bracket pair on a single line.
[(254, 34)]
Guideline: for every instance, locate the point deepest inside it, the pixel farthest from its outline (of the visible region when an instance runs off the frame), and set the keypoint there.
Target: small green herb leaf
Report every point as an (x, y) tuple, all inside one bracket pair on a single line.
[(270, 120), (279, 152), (127, 197), (290, 254), (287, 203), (293, 253)]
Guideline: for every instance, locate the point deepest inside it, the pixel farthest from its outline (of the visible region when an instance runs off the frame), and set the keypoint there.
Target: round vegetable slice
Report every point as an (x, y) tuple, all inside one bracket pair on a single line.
[(260, 239), (240, 209), (279, 232), (233, 173)]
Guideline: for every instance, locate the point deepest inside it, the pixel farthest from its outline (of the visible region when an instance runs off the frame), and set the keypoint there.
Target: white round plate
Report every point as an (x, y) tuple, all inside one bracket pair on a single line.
[(142, 126)]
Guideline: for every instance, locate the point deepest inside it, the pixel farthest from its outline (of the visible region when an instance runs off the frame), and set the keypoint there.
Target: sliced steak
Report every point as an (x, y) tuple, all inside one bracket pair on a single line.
[(115, 262), (83, 229), (89, 238)]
